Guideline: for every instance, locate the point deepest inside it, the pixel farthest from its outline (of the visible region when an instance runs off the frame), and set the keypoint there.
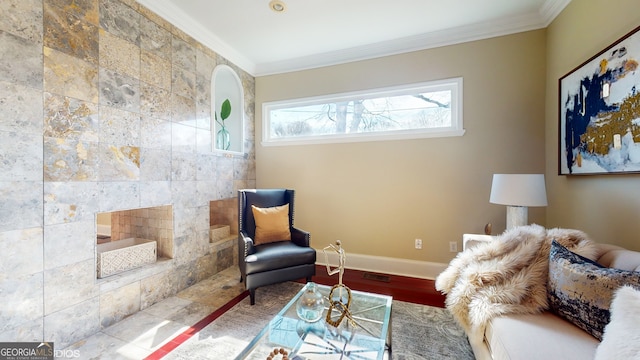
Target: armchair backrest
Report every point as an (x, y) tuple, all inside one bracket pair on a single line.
[(262, 198)]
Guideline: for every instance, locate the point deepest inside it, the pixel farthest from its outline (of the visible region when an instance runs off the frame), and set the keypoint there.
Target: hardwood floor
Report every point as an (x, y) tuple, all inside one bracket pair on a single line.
[(414, 290)]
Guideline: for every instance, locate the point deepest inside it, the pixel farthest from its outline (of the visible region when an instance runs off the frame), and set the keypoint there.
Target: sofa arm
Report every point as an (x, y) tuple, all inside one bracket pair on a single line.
[(300, 237), (614, 256), (478, 344), (249, 247)]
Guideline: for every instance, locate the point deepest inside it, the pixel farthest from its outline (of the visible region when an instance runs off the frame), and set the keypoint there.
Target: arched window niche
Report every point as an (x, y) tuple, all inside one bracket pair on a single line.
[(227, 112)]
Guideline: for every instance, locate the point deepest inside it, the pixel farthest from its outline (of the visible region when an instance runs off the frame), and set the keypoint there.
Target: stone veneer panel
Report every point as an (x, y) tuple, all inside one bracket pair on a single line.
[(117, 304), (16, 244), (66, 33), (70, 284), (22, 18), (155, 101), (206, 267), (155, 192), (157, 287), (119, 55), (154, 39), (66, 244), (22, 205), (20, 61), (69, 76), (22, 299), (104, 106), (155, 71), (30, 330), (21, 109), (75, 322), (86, 11), (226, 256), (69, 118), (25, 154), (61, 199)]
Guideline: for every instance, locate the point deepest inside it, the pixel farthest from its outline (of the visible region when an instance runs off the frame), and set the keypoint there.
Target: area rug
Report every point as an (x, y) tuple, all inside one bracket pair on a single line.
[(418, 331)]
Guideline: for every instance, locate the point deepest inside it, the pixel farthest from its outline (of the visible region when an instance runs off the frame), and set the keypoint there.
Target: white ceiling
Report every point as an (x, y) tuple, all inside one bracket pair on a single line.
[(314, 33)]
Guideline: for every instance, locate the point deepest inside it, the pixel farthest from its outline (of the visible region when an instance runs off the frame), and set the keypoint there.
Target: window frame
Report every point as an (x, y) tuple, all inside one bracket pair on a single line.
[(455, 85)]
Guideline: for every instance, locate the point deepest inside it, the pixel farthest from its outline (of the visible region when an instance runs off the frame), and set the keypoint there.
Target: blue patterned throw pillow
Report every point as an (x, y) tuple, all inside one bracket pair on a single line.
[(581, 290)]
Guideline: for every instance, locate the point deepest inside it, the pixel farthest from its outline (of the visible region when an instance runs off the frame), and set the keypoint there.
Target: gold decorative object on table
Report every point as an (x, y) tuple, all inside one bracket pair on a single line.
[(338, 302), (339, 306)]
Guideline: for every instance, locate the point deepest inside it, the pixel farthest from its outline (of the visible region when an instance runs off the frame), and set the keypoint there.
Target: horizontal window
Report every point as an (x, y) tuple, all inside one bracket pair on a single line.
[(431, 109)]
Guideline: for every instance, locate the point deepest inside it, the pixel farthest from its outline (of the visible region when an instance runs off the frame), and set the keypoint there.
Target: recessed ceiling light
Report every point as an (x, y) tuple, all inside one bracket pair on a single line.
[(277, 6)]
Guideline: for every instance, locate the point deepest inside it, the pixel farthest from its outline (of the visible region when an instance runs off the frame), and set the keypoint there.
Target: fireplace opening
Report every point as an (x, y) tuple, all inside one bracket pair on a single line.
[(223, 219), (127, 239)]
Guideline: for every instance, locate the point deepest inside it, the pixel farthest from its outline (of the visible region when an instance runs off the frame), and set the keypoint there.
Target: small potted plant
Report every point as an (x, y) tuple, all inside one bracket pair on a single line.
[(223, 140)]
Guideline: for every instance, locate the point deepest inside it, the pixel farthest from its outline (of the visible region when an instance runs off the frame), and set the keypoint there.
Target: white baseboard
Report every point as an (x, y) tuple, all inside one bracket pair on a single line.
[(385, 265), (104, 230)]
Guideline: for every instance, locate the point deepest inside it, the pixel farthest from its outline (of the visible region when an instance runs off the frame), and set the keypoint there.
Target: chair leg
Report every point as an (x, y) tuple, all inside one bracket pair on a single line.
[(308, 278), (252, 296)]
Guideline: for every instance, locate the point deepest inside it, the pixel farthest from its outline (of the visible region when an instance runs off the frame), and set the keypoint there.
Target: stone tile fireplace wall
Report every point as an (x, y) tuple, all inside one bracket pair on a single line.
[(104, 106)]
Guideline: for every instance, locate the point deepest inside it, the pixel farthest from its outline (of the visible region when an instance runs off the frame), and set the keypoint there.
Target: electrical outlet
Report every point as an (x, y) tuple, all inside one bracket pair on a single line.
[(453, 246), (418, 243)]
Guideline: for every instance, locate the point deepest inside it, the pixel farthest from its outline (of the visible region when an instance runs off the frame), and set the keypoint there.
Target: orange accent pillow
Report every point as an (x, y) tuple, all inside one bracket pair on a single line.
[(272, 224)]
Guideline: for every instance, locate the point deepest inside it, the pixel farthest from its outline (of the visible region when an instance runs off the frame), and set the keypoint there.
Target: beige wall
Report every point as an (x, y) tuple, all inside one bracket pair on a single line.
[(103, 219), (607, 207), (377, 197)]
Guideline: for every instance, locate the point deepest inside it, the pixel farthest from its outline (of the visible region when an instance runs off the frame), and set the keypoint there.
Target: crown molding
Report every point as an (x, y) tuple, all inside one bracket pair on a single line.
[(408, 44), (182, 21), (533, 21), (552, 8)]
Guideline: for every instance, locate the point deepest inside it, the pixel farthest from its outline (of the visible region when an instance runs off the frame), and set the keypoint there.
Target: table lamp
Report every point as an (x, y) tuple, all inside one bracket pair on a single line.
[(518, 192)]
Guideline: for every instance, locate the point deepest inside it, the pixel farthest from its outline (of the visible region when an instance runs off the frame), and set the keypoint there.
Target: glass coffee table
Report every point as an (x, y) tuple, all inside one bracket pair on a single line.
[(368, 338)]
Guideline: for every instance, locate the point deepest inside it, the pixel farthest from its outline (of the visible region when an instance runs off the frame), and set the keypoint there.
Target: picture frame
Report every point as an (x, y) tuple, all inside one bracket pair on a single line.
[(599, 112)]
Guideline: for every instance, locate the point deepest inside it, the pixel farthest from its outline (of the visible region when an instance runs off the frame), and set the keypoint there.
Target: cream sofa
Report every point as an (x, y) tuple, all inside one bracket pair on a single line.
[(546, 335)]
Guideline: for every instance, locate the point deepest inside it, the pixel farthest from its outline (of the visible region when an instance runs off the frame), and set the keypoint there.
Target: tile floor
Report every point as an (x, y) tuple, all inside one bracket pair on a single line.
[(139, 335)]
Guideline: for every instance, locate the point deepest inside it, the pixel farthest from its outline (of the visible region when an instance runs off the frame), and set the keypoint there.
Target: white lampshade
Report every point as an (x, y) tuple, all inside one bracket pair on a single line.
[(518, 190)]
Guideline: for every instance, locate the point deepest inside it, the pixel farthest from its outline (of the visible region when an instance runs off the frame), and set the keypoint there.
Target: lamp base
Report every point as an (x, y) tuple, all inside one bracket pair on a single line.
[(516, 216)]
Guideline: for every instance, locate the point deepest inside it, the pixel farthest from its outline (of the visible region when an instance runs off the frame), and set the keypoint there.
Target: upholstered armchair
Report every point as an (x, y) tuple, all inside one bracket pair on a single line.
[(270, 248)]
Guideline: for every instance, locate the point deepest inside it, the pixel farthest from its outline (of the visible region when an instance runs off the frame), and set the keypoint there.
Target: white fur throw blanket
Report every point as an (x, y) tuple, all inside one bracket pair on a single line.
[(505, 276)]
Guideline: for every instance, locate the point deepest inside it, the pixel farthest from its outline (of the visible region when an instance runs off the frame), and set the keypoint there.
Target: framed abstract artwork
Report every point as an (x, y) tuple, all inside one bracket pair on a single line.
[(599, 112)]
